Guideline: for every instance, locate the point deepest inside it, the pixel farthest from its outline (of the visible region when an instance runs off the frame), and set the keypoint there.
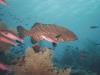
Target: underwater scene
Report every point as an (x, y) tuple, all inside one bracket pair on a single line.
[(49, 37)]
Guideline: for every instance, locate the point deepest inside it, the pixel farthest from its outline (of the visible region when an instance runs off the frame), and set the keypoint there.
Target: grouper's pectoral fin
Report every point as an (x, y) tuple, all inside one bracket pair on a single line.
[(58, 36)]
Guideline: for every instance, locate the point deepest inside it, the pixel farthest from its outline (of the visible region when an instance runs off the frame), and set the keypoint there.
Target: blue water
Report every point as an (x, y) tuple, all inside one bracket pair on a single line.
[(76, 15)]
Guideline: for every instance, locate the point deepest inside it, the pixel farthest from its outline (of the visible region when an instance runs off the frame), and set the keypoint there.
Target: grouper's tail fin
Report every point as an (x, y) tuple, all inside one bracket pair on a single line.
[(22, 32)]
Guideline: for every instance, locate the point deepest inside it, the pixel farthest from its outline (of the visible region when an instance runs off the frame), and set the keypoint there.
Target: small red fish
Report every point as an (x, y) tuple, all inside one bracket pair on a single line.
[(9, 38), (3, 39), (3, 2), (3, 67)]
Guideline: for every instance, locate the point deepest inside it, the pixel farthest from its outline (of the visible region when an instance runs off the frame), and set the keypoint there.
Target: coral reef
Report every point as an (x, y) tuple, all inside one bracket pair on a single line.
[(38, 64)]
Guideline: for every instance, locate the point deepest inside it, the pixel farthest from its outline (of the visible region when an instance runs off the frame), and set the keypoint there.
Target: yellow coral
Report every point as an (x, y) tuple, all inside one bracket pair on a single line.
[(38, 64)]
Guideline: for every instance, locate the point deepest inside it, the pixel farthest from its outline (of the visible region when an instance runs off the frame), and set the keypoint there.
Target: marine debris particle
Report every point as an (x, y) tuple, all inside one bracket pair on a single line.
[(38, 64)]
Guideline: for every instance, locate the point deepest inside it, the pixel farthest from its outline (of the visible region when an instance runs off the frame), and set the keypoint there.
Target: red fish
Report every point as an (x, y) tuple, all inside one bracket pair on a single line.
[(3, 39), (49, 32), (3, 67), (9, 38), (3, 2)]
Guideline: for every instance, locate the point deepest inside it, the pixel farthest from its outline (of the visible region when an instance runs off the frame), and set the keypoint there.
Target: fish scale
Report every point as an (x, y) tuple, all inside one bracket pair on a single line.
[(37, 34), (50, 32), (57, 32)]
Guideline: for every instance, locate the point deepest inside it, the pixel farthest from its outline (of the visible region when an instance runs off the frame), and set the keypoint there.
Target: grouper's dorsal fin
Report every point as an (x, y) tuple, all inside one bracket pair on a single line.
[(36, 24)]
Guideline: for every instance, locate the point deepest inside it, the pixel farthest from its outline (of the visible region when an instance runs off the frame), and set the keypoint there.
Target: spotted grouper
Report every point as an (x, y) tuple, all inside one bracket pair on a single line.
[(49, 32)]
